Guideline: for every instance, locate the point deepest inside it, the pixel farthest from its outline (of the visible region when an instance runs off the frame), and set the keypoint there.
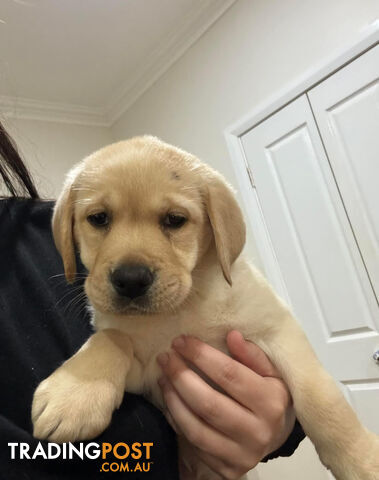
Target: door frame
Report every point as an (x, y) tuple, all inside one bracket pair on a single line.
[(368, 39)]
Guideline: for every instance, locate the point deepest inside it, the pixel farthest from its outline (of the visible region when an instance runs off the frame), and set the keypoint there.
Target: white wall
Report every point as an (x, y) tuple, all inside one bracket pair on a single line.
[(252, 51), (248, 55), (50, 148)]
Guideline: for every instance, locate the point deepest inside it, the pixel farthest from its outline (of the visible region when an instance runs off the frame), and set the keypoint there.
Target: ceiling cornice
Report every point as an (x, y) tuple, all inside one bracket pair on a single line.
[(170, 49), (26, 108), (167, 52)]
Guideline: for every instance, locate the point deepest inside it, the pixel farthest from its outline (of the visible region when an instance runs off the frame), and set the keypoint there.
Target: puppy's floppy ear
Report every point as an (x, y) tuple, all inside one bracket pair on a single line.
[(63, 224), (227, 223)]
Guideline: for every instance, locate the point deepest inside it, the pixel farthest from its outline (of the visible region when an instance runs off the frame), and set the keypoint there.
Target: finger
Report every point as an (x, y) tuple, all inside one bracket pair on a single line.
[(221, 412), (250, 355), (237, 380), (254, 357), (203, 436), (172, 422)]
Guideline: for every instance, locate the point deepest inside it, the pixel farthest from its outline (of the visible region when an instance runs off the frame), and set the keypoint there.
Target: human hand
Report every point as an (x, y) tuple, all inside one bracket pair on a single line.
[(232, 432)]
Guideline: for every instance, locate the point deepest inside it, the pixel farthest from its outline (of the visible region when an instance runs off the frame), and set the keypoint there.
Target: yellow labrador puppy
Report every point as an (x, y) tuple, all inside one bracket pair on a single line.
[(160, 234)]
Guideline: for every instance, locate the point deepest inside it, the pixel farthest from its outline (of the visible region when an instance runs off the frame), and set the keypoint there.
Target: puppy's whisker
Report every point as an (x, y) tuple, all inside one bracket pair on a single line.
[(80, 309), (67, 294), (74, 301), (63, 283), (73, 289), (62, 275), (56, 276)]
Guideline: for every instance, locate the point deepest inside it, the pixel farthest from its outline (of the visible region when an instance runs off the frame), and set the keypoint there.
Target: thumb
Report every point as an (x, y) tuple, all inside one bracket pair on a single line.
[(250, 355)]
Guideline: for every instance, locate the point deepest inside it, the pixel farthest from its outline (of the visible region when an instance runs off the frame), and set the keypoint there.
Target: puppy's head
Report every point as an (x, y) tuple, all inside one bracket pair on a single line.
[(143, 214)]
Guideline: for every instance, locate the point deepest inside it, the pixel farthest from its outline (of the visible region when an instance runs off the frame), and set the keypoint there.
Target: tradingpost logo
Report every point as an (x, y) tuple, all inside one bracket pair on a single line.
[(119, 457)]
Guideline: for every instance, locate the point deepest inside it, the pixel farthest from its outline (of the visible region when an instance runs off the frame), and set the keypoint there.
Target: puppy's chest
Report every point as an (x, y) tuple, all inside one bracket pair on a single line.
[(157, 337), (145, 371)]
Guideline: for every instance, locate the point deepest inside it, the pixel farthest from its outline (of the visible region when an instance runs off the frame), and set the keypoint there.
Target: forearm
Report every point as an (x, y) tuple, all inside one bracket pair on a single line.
[(106, 355)]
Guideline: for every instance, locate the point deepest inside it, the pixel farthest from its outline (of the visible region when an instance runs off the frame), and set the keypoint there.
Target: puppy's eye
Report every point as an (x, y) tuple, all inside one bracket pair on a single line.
[(174, 220), (100, 219)]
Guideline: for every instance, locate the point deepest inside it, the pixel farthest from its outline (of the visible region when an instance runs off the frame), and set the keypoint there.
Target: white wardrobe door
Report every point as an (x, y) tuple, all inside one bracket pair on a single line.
[(346, 107), (316, 251)]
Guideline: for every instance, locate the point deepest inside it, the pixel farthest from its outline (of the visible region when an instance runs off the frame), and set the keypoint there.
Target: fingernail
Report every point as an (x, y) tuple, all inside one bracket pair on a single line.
[(163, 358), (179, 342)]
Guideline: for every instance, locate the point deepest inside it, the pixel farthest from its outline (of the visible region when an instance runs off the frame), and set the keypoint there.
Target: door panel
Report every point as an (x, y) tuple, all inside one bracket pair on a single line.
[(346, 107), (314, 225), (316, 251)]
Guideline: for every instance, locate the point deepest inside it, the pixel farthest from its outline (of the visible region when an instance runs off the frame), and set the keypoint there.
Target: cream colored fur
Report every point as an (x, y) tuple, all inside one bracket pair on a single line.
[(204, 288)]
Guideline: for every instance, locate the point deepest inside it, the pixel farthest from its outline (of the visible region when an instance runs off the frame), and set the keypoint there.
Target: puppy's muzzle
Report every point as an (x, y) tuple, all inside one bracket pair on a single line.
[(131, 280)]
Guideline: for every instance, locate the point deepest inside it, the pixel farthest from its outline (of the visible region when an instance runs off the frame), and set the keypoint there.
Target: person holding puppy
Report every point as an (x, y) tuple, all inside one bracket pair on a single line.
[(43, 321)]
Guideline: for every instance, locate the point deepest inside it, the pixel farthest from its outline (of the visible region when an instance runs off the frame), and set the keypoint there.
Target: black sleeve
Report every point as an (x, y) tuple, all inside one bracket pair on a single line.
[(291, 444), (43, 321)]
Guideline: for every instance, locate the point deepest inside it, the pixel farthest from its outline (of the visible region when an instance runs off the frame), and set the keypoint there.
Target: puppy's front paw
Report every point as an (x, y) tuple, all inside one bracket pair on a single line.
[(66, 408)]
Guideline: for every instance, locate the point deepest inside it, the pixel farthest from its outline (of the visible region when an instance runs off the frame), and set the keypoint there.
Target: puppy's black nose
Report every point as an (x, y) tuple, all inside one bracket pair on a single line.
[(131, 281)]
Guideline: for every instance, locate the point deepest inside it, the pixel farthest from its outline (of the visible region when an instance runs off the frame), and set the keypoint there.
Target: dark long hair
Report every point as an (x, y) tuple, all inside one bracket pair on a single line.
[(15, 175)]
